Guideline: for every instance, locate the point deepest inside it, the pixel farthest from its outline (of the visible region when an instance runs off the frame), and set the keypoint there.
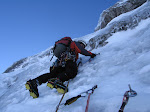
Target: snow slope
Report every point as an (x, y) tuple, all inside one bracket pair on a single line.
[(124, 60)]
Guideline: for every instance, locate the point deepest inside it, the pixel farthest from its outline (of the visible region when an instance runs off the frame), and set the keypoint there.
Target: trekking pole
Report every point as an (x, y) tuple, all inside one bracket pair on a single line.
[(62, 97), (127, 95)]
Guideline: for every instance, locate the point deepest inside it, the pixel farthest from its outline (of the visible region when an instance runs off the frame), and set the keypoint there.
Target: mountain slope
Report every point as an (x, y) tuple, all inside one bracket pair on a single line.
[(124, 60)]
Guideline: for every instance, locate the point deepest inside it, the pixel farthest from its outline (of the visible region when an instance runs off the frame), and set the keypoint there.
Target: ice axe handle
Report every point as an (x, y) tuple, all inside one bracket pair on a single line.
[(71, 100)]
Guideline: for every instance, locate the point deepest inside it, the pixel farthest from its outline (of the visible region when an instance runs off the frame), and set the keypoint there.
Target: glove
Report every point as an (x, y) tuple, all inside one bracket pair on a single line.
[(93, 55)]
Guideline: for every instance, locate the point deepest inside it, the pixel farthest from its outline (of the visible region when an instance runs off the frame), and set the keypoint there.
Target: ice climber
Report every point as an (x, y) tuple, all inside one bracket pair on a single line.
[(63, 69)]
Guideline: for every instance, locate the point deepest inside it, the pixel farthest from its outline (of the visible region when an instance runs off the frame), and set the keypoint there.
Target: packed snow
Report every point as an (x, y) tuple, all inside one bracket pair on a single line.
[(124, 60), (122, 1)]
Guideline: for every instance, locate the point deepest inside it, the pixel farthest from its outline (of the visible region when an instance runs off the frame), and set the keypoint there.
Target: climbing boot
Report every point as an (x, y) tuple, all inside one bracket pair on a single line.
[(58, 84), (32, 87)]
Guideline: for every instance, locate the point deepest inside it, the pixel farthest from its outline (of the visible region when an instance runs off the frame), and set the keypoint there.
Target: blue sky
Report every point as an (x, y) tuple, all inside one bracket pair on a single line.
[(28, 27)]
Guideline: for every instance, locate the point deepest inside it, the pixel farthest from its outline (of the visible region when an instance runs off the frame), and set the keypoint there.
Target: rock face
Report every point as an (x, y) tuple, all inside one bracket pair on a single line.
[(116, 10), (123, 22)]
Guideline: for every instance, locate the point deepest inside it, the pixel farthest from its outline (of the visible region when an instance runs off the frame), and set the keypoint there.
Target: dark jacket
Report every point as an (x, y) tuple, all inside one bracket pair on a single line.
[(77, 48)]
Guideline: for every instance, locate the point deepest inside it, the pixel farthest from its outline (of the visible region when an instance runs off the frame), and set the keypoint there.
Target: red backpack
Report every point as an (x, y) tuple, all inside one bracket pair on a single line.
[(66, 41), (61, 46)]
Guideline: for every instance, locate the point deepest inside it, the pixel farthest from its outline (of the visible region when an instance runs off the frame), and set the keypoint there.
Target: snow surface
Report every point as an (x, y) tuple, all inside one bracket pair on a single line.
[(122, 1), (138, 12), (124, 60)]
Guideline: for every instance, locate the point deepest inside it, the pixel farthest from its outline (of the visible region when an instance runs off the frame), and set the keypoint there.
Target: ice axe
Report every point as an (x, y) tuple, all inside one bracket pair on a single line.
[(127, 95)]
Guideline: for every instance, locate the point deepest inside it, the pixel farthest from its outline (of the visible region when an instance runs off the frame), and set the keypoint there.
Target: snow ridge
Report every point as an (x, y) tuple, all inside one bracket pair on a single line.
[(124, 60)]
